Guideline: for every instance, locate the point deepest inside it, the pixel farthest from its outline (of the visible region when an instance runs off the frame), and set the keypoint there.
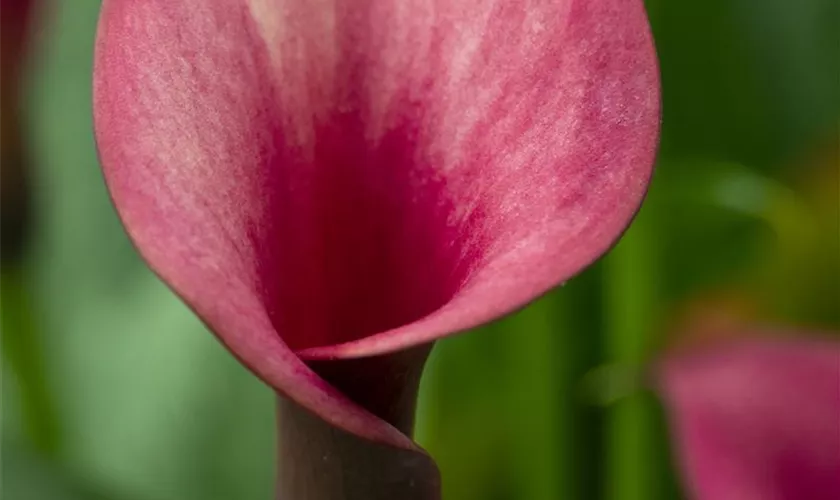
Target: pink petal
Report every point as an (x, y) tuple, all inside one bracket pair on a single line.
[(334, 179), (758, 419)]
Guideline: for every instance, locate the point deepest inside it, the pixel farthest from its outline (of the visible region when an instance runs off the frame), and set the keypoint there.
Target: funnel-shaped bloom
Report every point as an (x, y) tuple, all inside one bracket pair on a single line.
[(333, 179), (757, 419)]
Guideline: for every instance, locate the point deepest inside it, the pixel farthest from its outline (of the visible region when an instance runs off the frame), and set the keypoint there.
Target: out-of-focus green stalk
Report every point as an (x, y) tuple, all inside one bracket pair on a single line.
[(501, 408), (22, 350), (581, 349), (632, 296), (535, 413), (554, 343), (458, 414)]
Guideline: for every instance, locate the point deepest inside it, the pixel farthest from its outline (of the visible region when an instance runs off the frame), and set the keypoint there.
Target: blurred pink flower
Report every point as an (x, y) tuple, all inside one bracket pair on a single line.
[(330, 180), (757, 419)]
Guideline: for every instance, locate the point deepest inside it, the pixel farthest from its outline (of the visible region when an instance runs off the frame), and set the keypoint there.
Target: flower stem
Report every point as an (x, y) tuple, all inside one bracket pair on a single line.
[(320, 462)]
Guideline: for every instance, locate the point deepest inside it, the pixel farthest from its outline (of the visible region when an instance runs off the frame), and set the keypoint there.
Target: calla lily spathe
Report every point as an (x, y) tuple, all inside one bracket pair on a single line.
[(330, 180)]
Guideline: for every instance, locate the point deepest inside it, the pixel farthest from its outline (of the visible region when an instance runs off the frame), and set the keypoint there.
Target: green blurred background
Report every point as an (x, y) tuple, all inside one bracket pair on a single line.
[(112, 389)]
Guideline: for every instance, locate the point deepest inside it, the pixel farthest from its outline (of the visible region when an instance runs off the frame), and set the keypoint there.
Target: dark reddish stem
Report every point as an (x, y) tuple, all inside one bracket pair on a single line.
[(320, 462)]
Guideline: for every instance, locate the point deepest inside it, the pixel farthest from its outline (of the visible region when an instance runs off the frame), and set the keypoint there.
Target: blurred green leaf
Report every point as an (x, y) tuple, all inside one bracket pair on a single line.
[(22, 350), (795, 49), (156, 406), (709, 225), (798, 279), (746, 80), (28, 476)]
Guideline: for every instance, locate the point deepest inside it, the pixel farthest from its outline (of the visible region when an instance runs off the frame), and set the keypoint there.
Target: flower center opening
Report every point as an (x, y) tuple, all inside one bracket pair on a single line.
[(359, 238)]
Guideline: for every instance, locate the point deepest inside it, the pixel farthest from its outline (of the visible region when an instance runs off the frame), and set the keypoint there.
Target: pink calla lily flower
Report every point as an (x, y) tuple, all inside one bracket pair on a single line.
[(332, 185), (757, 419)]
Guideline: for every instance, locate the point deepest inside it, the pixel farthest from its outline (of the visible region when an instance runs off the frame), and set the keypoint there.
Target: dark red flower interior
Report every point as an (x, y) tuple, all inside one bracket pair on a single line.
[(361, 239)]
